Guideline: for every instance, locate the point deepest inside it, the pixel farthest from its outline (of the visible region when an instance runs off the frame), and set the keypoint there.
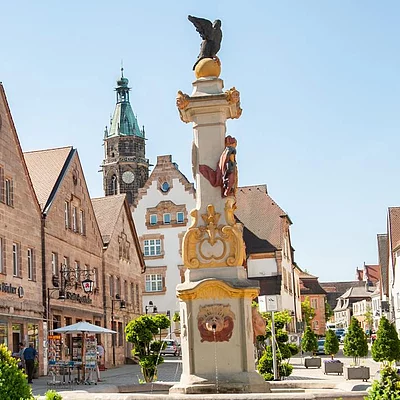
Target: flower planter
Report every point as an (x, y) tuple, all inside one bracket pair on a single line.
[(312, 362), (357, 373), (330, 367)]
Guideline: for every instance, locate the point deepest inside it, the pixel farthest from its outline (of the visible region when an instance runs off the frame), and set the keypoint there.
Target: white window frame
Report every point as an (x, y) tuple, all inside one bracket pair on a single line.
[(152, 247), (81, 222), (165, 217), (15, 259), (178, 219), (66, 214), (156, 219), (154, 283), (54, 266), (74, 219), (30, 263)]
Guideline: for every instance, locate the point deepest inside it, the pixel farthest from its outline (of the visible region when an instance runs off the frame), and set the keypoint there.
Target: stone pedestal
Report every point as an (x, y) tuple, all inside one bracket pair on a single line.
[(215, 299)]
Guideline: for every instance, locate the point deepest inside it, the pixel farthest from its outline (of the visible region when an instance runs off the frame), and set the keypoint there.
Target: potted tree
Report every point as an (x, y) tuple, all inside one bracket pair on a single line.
[(386, 349), (309, 344), (356, 346), (143, 332), (331, 347)]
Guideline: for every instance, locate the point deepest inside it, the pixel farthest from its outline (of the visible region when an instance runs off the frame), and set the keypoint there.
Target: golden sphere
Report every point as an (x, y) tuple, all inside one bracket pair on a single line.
[(208, 67)]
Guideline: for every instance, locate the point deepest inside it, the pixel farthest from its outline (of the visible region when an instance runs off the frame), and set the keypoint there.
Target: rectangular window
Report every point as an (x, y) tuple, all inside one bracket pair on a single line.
[(153, 219), (152, 247), (15, 259), (167, 218), (54, 264), (111, 283), (81, 222), (66, 214), (118, 286), (1, 184), (77, 271), (95, 278), (120, 334), (2, 268), (154, 283), (74, 219), (133, 296), (179, 217), (137, 293), (314, 303), (30, 265), (9, 195), (126, 294)]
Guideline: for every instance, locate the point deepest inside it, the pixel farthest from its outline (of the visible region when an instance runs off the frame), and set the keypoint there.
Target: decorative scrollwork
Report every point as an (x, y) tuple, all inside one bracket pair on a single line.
[(182, 100)]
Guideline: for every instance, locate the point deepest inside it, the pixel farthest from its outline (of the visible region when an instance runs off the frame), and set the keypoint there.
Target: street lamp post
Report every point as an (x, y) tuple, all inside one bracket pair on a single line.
[(122, 306)]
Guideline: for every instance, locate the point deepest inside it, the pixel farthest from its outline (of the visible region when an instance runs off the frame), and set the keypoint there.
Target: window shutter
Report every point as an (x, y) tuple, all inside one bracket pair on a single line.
[(2, 183)]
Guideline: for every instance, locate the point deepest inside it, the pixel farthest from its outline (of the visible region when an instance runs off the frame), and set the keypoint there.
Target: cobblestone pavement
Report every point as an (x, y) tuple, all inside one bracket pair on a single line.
[(169, 372)]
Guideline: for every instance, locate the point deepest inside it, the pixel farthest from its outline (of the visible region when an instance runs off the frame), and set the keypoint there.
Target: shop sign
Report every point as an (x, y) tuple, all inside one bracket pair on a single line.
[(80, 299), (8, 288)]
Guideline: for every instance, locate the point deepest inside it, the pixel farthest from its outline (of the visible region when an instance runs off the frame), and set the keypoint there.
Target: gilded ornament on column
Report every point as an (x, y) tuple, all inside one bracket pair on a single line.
[(233, 97), (213, 244), (182, 100)]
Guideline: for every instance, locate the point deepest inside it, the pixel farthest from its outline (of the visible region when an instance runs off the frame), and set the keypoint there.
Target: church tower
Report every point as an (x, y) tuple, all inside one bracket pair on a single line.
[(125, 167)]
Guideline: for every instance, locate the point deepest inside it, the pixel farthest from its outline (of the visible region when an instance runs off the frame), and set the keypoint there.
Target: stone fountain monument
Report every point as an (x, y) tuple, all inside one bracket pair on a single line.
[(217, 335)]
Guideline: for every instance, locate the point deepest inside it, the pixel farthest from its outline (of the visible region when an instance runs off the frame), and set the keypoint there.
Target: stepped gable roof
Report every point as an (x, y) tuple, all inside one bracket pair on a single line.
[(309, 284), (107, 210), (3, 99), (394, 227), (165, 168), (383, 255), (261, 216), (45, 169)]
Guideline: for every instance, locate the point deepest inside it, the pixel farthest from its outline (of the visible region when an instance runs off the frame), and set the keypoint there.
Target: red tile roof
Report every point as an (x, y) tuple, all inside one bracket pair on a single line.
[(44, 168), (373, 273), (105, 218), (260, 214)]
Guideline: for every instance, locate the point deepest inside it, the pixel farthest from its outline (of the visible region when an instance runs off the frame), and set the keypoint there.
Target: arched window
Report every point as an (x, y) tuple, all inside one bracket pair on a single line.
[(114, 185)]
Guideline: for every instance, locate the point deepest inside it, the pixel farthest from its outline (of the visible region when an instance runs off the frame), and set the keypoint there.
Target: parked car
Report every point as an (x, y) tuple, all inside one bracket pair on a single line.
[(171, 347), (321, 346)]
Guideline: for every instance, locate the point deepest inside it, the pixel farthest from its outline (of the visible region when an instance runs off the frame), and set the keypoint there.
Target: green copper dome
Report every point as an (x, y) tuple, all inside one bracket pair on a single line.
[(123, 122)]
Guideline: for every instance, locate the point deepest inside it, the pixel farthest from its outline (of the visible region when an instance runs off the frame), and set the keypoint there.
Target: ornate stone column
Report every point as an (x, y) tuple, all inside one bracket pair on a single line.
[(215, 299)]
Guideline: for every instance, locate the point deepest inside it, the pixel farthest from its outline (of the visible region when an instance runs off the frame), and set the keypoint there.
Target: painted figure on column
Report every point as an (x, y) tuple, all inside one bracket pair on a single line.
[(226, 174)]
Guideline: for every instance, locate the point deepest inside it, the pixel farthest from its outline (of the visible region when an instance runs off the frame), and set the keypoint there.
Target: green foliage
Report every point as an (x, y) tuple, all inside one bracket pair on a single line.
[(13, 383), (53, 395), (328, 311), (355, 342), (331, 346), (387, 387), (386, 347), (309, 342), (284, 350), (141, 332), (176, 317), (369, 319), (307, 311)]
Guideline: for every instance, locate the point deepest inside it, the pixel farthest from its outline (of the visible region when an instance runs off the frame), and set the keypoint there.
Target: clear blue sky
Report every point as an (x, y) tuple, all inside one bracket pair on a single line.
[(320, 92)]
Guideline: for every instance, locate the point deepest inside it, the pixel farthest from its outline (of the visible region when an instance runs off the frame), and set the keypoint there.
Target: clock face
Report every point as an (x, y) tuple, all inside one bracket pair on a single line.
[(128, 177)]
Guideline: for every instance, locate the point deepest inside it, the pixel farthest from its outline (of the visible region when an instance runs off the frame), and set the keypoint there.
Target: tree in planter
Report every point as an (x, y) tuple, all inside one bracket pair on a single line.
[(142, 333), (309, 341), (355, 342), (284, 351), (386, 347), (331, 343), (13, 383)]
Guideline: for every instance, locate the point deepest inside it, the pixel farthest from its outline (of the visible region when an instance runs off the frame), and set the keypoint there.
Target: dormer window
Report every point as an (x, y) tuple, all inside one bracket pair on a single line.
[(167, 218), (153, 219), (165, 187)]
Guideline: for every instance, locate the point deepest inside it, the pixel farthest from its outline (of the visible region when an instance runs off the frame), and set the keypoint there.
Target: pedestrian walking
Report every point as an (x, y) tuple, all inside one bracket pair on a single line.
[(21, 362), (100, 359), (30, 355)]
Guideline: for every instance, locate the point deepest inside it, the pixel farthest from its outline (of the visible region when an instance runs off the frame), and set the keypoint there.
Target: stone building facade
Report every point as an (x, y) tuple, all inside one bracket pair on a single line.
[(123, 265), (161, 216), (21, 300)]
